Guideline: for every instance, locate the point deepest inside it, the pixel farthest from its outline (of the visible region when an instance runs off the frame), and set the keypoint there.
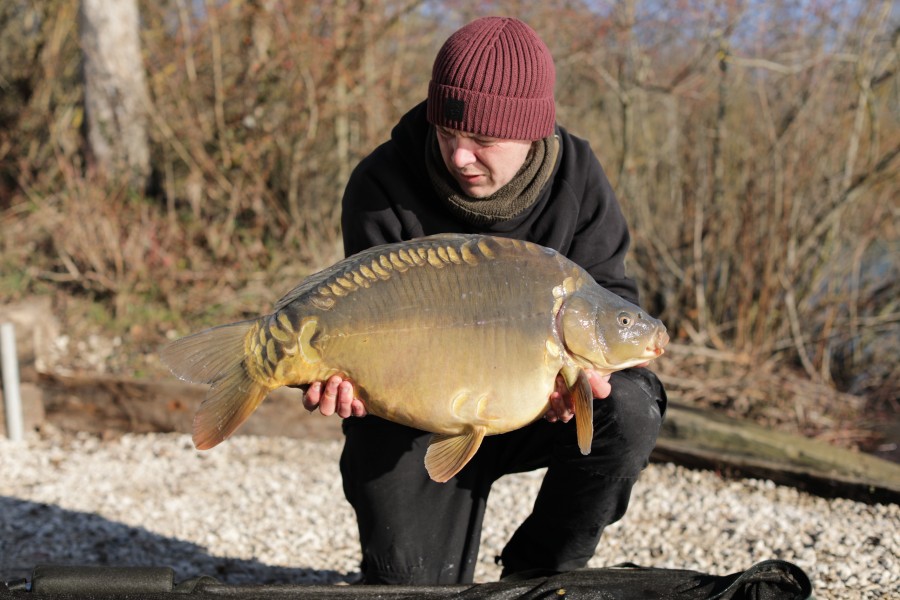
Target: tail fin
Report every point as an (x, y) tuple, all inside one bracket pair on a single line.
[(217, 356), (230, 401)]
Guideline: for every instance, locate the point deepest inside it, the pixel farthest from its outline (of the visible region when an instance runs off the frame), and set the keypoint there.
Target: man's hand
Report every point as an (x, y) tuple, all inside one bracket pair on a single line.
[(561, 407), (333, 396)]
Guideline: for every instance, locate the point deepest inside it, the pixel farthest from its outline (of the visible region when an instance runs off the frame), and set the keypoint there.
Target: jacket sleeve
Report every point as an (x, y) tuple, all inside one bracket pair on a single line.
[(367, 216), (601, 239)]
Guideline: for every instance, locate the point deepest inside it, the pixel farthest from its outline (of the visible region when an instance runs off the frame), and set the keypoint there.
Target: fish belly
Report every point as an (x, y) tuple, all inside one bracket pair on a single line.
[(447, 380), (445, 349)]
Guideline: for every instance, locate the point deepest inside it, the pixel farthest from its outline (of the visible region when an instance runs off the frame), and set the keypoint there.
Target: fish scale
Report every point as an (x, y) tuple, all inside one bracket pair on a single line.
[(460, 335)]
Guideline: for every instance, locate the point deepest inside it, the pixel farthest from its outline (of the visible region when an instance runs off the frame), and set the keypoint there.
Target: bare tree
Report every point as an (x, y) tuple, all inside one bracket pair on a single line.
[(115, 89)]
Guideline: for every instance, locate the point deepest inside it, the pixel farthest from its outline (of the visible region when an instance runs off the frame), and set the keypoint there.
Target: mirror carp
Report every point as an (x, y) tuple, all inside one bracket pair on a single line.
[(459, 335)]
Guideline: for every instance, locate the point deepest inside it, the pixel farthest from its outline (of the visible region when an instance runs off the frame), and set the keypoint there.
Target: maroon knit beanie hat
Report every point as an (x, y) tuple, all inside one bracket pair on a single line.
[(494, 77)]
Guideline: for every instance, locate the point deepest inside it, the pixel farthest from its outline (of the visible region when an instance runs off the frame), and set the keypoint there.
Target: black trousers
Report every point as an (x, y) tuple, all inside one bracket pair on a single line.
[(415, 531)]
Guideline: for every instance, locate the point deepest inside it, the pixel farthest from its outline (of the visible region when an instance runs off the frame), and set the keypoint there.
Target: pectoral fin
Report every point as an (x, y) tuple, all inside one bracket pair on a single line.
[(583, 400), (448, 454)]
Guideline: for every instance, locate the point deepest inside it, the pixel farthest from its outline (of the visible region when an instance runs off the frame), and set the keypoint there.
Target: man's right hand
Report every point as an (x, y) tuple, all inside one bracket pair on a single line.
[(334, 396)]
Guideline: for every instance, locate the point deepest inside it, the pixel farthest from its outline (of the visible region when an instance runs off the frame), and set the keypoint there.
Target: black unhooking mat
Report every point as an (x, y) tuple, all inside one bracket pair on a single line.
[(768, 580)]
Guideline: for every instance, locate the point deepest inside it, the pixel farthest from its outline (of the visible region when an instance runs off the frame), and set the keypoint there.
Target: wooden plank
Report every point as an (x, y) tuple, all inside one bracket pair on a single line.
[(690, 437), (105, 404), (706, 439)]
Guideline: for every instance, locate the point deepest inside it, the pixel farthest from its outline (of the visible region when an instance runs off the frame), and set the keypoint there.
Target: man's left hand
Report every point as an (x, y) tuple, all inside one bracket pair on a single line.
[(561, 404)]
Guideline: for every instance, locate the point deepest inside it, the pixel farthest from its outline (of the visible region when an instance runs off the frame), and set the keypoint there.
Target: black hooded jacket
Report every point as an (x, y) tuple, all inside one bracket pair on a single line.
[(389, 198)]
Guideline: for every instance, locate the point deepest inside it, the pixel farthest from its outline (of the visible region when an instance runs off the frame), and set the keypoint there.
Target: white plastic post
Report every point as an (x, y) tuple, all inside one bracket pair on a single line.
[(10, 369)]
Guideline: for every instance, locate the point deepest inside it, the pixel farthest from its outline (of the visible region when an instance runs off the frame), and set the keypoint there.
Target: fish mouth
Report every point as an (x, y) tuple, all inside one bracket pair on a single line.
[(657, 347)]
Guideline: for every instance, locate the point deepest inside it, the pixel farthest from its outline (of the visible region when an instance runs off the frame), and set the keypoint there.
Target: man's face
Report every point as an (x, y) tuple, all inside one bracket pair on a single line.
[(481, 165)]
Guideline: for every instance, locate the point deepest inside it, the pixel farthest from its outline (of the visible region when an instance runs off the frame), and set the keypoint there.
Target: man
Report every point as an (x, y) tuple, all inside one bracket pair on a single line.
[(483, 154)]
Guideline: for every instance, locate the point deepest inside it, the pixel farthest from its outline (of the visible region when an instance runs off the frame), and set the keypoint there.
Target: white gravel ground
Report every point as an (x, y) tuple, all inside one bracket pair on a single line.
[(272, 510)]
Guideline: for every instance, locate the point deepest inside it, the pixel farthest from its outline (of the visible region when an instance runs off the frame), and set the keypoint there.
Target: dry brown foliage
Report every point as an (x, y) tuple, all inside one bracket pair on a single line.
[(754, 147)]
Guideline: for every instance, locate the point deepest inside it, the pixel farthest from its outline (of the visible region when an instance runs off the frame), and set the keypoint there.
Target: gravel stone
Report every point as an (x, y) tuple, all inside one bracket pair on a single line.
[(272, 510)]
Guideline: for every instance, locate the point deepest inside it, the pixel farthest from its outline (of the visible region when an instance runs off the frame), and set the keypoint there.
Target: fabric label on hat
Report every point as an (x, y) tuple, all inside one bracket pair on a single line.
[(454, 109)]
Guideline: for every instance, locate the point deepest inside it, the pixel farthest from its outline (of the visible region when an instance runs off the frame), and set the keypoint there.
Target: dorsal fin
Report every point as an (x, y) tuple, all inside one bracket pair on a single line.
[(380, 262)]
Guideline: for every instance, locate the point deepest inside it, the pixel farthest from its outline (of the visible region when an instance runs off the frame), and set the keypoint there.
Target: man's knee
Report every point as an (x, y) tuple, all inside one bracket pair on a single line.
[(639, 394), (631, 416)]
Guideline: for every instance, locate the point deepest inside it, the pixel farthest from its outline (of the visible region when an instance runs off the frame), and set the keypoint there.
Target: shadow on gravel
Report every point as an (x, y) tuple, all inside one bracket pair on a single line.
[(33, 533)]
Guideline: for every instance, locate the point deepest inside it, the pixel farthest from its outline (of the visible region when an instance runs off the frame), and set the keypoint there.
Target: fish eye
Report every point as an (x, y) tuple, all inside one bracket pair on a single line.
[(625, 319)]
